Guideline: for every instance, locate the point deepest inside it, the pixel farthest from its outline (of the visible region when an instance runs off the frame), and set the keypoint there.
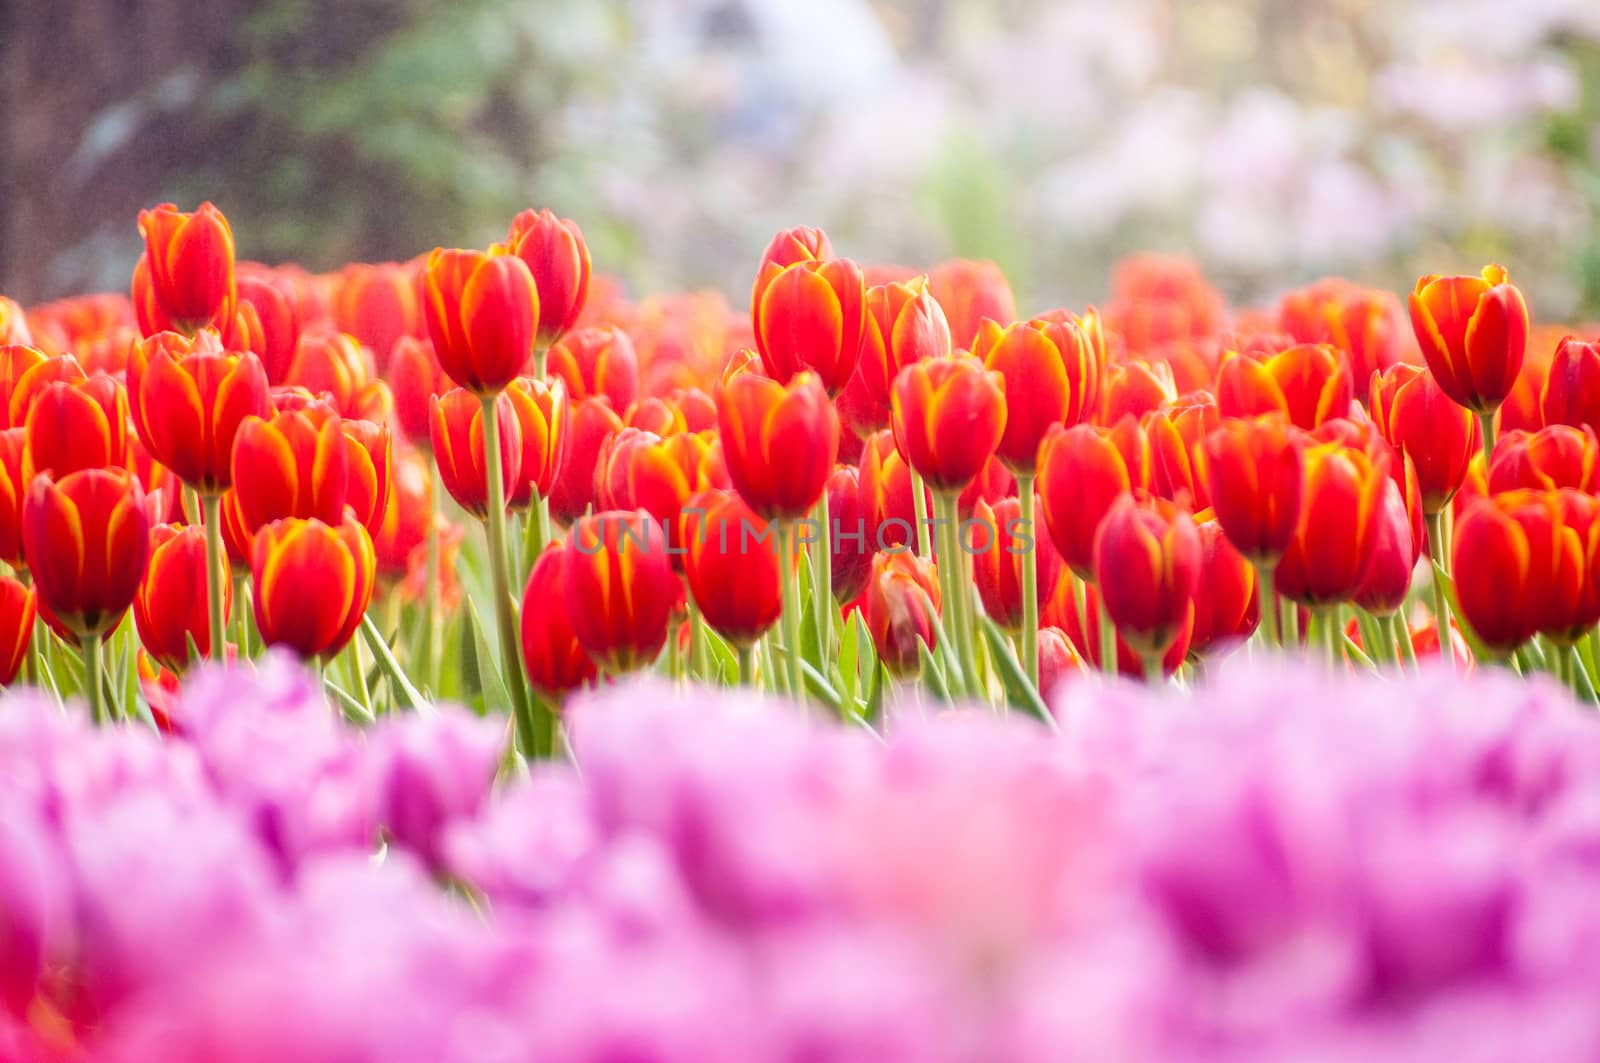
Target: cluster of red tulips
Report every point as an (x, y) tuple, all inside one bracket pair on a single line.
[(877, 476)]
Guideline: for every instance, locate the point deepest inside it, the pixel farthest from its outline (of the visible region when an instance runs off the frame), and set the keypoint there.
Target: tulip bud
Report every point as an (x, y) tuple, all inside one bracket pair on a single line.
[(416, 378), (86, 538), (1227, 605), (970, 293), (1129, 662), (312, 584), (901, 610), (597, 361), (267, 323), (732, 564), (294, 465), (558, 258), (905, 324), (949, 415), (1255, 471), (1134, 388), (998, 538), (851, 540), (1419, 419), (15, 362), (482, 312), (803, 244), (72, 426), (1081, 473), (187, 270), (1175, 436), (621, 589), (18, 607), (1398, 545), (458, 448), (13, 487), (1517, 568), (778, 441), (332, 363), (1571, 393), (1147, 567), (1474, 333), (369, 468), (884, 495), (556, 662), (592, 424), (1333, 546), (1366, 324), (1059, 660), (1049, 371), (1558, 456), (541, 412), (170, 607), (378, 305), (813, 316)]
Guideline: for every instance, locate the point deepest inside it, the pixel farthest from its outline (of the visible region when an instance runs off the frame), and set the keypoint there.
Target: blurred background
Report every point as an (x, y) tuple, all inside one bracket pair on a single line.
[(1275, 140)]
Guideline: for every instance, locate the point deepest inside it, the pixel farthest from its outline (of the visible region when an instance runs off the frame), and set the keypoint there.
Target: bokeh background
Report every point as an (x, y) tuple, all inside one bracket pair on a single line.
[(1275, 140)]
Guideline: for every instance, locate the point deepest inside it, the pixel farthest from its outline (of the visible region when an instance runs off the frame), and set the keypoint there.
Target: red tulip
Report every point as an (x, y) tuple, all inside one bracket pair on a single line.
[(1518, 568), (1367, 324), (293, 465), (1474, 334), (591, 424), (18, 607), (1571, 393), (884, 495), (1050, 374), (1399, 543), (332, 363), (170, 607), (901, 610), (415, 377), (86, 538), (14, 328), (998, 539), (15, 361), (369, 468), (1134, 388), (312, 584), (482, 311), (971, 292), (597, 361), (267, 322), (1227, 604), (188, 268), (13, 487), (1175, 436), (458, 448), (1419, 419), (541, 412), (1147, 566), (1129, 662), (621, 589), (852, 541), (558, 258), (1333, 547), (812, 316), (1255, 470), (905, 324), (556, 662), (949, 415), (1558, 456), (803, 244), (187, 400), (1081, 474), (732, 564), (72, 426), (778, 440), (378, 305), (1059, 659)]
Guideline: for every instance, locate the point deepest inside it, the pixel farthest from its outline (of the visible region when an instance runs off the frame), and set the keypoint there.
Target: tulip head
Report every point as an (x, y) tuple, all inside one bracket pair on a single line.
[(312, 583), (597, 361), (72, 426), (295, 464), (1571, 392), (1368, 325), (1147, 560), (1438, 435), (732, 564), (556, 662), (998, 539), (902, 610), (267, 323), (970, 293), (86, 538), (948, 415), (1474, 334), (458, 448), (778, 440), (1255, 472), (18, 607), (185, 279), (541, 411), (1557, 456), (1227, 605), (1050, 374), (415, 377), (905, 324), (1521, 568), (482, 312), (170, 607), (621, 590), (812, 316), (377, 304), (1081, 473), (555, 252), (1341, 511)]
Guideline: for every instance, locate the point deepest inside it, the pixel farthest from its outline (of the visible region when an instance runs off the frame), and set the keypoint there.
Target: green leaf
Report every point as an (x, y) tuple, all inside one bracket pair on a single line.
[(932, 678), (818, 684), (846, 668), (874, 710), (352, 708), (1020, 691)]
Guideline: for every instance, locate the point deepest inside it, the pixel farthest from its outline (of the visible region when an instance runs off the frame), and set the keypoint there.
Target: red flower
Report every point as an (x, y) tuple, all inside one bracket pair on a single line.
[(556, 662), (294, 465), (1147, 566), (72, 426), (1333, 546), (778, 441), (1175, 436), (970, 293), (378, 305), (1474, 334), (458, 448), (1558, 456), (332, 363), (18, 608), (1059, 659), (184, 280), (949, 416), (1081, 474), (1255, 471), (998, 539), (1422, 422), (1050, 375), (1519, 568), (312, 584), (803, 244), (812, 316), (13, 487), (1134, 388), (592, 423), (901, 611), (170, 607), (16, 360), (558, 258), (482, 311), (1571, 393), (597, 361), (541, 412), (883, 495), (187, 400), (1227, 605), (266, 323), (905, 324), (1309, 383), (1400, 541), (415, 377), (732, 565), (369, 467), (1367, 324), (86, 538), (621, 590)]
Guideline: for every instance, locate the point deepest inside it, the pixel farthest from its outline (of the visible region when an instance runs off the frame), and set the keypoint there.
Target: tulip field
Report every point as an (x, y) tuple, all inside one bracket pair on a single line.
[(462, 659)]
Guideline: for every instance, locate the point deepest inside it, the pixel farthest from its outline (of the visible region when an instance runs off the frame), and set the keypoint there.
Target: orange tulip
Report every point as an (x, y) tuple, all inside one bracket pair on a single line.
[(18, 607), (558, 258), (1571, 392), (61, 369), (1367, 324), (1333, 546), (949, 415), (732, 564), (86, 538), (1227, 603), (369, 469), (185, 278), (1255, 471), (14, 328), (1147, 561), (998, 538), (621, 589), (334, 364), (592, 423), (812, 316), (294, 465), (803, 244), (1081, 474), (597, 361), (1558, 456), (1175, 436), (170, 607), (378, 305), (1400, 542), (541, 412), (13, 488), (1134, 388), (970, 293), (778, 441), (312, 584), (72, 426), (1308, 383), (1518, 568), (458, 448), (1474, 333), (482, 312), (1050, 374), (901, 610), (851, 540), (1159, 299), (415, 377), (555, 660), (187, 400), (267, 322), (905, 324), (1422, 422), (16, 360)]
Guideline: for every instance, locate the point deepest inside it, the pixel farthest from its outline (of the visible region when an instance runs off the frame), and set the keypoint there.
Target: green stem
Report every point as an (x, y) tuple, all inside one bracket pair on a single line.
[(1400, 635), (1578, 676), (1441, 604), (919, 510), (93, 681), (1373, 640), (404, 690), (790, 619), (1030, 583), (1326, 623), (541, 354), (1486, 424), (1080, 604), (1108, 640), (433, 628), (241, 624), (1288, 622), (216, 570), (822, 582), (1154, 673), (1267, 597), (747, 666), (697, 643), (957, 590), (505, 606)]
